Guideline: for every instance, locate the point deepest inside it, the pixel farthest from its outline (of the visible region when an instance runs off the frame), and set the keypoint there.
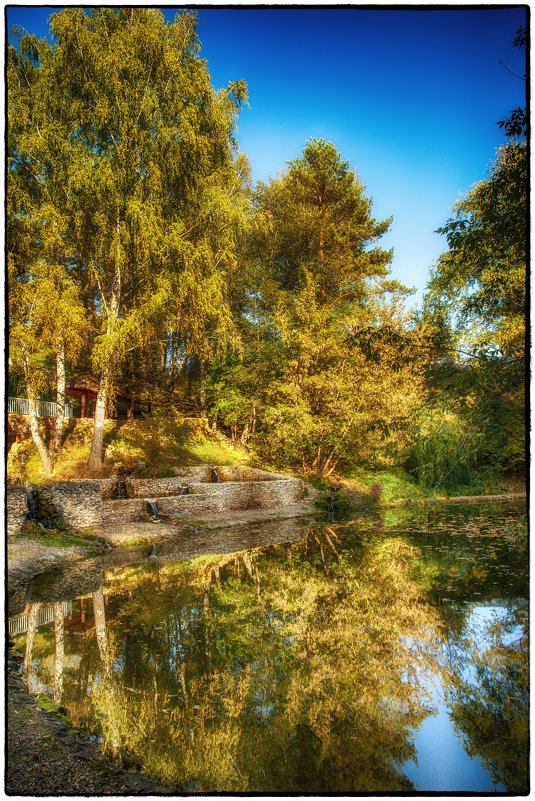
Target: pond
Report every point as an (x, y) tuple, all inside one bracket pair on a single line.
[(387, 654)]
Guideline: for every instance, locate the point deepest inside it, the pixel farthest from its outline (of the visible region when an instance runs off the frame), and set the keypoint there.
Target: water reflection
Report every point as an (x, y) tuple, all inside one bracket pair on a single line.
[(488, 692), (311, 666)]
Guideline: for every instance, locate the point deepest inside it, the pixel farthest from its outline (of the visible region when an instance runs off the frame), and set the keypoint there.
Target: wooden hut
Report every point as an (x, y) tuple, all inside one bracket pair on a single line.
[(125, 404)]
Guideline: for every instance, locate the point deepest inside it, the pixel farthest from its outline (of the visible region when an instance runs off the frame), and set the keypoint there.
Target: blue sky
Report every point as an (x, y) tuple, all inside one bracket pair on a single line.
[(410, 97)]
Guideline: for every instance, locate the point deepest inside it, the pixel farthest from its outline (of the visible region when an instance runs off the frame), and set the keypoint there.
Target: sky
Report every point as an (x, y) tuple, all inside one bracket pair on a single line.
[(410, 97)]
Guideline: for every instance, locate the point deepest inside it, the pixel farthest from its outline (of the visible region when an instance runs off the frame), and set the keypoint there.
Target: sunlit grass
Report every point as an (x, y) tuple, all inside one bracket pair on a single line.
[(162, 442), (390, 485)]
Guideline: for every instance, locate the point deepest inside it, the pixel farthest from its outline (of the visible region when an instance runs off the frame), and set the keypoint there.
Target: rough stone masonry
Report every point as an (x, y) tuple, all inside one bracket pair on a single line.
[(81, 504)]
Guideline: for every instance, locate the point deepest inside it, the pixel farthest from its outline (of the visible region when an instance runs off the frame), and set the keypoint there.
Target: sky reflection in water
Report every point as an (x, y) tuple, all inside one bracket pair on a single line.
[(385, 655)]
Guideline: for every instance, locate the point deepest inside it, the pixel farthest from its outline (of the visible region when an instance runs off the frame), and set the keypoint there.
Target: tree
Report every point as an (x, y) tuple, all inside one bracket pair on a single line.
[(316, 295), (141, 149), (476, 304), (482, 278), (516, 124), (322, 228), (29, 348), (45, 312), (479, 288)]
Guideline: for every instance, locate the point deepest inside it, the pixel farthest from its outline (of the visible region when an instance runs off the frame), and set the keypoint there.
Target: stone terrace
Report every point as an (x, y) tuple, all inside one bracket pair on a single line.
[(193, 490)]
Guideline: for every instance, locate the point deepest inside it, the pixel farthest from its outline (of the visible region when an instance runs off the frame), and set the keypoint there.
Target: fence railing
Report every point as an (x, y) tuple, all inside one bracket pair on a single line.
[(44, 408), (19, 624)]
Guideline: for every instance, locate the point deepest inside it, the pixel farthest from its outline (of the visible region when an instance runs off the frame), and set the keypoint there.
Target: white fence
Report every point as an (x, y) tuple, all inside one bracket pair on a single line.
[(19, 624), (44, 408)]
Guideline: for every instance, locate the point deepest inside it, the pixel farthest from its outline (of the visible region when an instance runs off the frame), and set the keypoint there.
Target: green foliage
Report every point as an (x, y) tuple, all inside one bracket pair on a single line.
[(482, 279), (340, 503), (444, 450), (321, 228), (516, 124), (478, 289)]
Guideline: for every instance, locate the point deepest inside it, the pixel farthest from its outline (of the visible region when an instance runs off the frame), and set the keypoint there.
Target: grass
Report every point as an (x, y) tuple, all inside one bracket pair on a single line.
[(369, 487), (58, 538), (398, 485), (47, 705), (133, 542), (162, 442)]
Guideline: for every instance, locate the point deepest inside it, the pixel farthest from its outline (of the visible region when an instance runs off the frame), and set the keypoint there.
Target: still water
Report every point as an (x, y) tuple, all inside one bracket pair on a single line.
[(387, 654)]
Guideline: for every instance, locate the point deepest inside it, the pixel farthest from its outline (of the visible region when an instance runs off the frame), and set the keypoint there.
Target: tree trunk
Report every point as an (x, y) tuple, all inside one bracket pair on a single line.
[(97, 443), (42, 450), (202, 393), (249, 426), (59, 634), (30, 636), (57, 439), (322, 469), (100, 623), (245, 434)]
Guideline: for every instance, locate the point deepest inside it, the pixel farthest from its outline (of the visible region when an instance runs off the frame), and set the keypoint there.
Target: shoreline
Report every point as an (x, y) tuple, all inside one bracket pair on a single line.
[(27, 557)]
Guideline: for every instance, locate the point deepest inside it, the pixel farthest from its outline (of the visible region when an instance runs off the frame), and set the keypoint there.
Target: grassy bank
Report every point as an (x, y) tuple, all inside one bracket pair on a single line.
[(359, 487), (156, 445), (161, 442)]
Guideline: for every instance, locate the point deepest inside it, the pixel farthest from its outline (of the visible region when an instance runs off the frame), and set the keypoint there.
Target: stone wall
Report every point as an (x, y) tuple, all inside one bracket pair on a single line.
[(131, 510), (195, 479), (203, 473), (107, 487), (154, 487), (78, 503), (89, 503), (233, 495), (17, 509)]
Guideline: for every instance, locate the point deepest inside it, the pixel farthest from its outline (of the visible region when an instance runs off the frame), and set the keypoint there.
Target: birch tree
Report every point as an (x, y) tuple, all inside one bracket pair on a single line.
[(147, 149)]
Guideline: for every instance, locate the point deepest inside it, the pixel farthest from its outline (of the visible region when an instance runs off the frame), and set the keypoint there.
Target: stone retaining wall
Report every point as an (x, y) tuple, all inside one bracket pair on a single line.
[(78, 503), (203, 473), (131, 510), (89, 503), (107, 487), (233, 495), (195, 479), (17, 509), (155, 487)]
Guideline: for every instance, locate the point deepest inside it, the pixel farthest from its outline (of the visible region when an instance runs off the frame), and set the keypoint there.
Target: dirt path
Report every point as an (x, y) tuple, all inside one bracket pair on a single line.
[(511, 496)]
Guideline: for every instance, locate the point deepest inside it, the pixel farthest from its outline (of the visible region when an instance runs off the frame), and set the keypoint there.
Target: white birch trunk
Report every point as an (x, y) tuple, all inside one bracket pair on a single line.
[(57, 439)]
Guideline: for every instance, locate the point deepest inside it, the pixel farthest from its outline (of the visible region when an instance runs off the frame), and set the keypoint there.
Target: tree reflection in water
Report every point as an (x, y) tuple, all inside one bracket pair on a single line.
[(488, 695), (59, 638), (301, 667), (285, 668)]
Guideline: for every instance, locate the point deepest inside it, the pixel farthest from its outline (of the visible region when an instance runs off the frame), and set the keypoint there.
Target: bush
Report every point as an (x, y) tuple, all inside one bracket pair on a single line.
[(444, 450)]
